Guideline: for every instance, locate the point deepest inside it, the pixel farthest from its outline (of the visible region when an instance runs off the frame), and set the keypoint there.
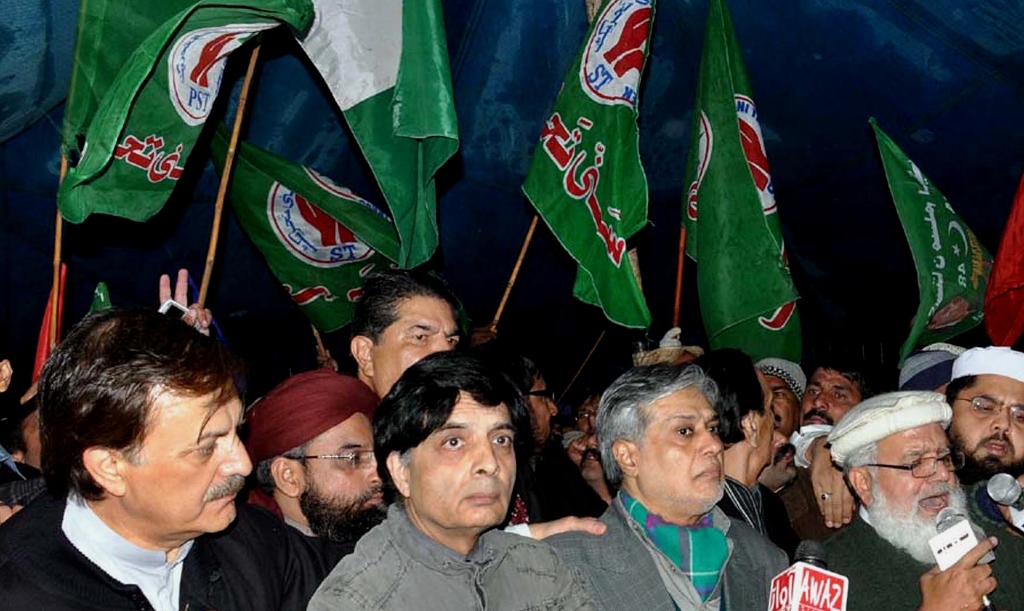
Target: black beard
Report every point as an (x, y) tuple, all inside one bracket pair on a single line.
[(340, 520), (980, 470)]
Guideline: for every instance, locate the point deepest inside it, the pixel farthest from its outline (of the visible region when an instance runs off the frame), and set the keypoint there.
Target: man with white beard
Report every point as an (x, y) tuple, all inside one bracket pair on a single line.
[(897, 459)]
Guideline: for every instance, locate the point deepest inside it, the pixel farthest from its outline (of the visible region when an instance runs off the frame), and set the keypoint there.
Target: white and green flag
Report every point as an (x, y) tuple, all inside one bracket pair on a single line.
[(386, 64)]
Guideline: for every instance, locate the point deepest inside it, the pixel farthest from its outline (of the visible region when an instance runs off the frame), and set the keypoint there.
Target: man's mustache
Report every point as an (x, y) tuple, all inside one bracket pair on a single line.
[(820, 414), (230, 486), (782, 452), (589, 453)]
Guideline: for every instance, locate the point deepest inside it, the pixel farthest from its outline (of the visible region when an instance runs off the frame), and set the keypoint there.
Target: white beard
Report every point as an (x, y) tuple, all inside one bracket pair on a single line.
[(910, 531)]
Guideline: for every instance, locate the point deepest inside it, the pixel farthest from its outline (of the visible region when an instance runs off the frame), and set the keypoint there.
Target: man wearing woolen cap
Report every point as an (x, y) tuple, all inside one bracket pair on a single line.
[(930, 368), (312, 443), (986, 393), (895, 455)]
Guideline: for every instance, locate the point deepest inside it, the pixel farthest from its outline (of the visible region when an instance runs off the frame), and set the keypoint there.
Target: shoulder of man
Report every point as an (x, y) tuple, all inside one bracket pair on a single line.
[(750, 546)]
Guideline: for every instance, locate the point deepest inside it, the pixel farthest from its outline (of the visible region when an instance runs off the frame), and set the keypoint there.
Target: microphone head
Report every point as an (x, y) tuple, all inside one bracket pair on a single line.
[(1003, 489), (947, 518), (812, 552)]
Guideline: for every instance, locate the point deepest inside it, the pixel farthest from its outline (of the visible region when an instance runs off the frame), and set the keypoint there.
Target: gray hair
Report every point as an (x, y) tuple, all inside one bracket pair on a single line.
[(622, 412), (264, 476)]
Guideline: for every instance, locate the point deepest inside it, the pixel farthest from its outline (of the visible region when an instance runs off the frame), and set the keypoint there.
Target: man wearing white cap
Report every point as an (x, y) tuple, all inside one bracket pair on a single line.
[(787, 383), (987, 396), (896, 456)]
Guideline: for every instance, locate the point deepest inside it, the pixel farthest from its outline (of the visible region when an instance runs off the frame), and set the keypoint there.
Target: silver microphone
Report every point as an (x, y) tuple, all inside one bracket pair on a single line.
[(1004, 489)]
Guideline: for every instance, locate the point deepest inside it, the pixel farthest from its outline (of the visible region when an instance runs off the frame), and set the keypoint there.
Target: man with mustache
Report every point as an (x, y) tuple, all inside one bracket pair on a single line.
[(445, 435), (311, 441), (896, 456), (818, 501), (986, 392), (138, 418), (787, 383), (668, 547)]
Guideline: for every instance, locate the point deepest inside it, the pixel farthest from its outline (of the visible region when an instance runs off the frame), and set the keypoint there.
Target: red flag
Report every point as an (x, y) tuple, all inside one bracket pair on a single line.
[(43, 345), (1004, 299)]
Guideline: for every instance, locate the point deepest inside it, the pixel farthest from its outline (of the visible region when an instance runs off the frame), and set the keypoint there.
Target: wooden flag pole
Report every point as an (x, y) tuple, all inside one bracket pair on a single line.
[(679, 274), (225, 174), (580, 370), (58, 236), (515, 273), (319, 342)]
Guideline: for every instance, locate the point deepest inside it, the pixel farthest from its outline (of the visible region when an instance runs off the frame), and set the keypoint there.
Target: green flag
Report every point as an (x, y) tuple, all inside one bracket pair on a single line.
[(952, 266), (318, 238), (386, 64), (747, 297), (146, 75), (585, 179), (100, 299)]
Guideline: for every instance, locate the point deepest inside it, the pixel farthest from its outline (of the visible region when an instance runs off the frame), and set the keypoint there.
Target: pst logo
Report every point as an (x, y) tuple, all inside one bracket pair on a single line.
[(615, 53), (195, 66), (705, 143), (309, 233), (753, 149)]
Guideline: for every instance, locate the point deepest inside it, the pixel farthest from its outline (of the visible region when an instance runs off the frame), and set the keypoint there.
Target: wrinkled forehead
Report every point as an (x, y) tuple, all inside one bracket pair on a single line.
[(830, 378), (913, 443)]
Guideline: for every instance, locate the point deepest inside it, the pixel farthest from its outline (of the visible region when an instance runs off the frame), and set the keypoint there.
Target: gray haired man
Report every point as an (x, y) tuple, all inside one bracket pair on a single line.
[(667, 546)]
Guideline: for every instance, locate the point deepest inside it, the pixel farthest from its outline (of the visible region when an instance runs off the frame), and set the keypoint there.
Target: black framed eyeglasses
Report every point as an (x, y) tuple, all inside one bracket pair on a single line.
[(547, 393), (926, 466), (984, 406), (350, 461)]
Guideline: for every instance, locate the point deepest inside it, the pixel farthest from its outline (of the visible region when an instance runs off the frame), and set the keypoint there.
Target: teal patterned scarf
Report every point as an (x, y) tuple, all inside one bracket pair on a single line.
[(699, 550)]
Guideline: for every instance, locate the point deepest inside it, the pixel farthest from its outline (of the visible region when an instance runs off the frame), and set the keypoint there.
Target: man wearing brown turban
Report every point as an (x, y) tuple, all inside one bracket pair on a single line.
[(311, 441)]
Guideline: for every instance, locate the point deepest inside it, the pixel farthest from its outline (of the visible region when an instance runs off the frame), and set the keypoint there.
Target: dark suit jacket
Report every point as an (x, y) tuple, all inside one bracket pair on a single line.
[(622, 575), (776, 520)]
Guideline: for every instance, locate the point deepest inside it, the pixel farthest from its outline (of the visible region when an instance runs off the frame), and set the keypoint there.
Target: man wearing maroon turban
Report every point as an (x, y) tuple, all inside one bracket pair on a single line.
[(311, 441)]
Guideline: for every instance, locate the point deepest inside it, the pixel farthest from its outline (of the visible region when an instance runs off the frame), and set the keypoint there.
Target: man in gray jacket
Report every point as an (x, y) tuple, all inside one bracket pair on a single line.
[(445, 438), (667, 546)]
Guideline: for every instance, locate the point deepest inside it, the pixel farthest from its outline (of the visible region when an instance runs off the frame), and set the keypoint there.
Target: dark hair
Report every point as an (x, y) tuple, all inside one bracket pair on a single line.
[(377, 307), (98, 387), (861, 375), (739, 390), (957, 386), (520, 369), (421, 401)]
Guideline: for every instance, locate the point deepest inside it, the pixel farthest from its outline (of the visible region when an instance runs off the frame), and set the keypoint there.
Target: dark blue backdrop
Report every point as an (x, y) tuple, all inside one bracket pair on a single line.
[(943, 77)]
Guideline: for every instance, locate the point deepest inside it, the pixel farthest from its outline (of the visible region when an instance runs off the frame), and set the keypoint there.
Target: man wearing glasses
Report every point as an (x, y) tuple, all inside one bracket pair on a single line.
[(897, 459), (311, 441), (987, 395)]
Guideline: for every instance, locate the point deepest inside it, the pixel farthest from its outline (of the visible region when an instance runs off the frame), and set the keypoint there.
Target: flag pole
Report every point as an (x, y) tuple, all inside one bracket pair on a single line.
[(679, 274), (580, 370), (225, 174), (58, 236), (515, 273)]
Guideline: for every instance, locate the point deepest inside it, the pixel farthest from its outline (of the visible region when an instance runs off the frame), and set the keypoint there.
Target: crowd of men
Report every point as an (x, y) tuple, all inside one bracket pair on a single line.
[(434, 478)]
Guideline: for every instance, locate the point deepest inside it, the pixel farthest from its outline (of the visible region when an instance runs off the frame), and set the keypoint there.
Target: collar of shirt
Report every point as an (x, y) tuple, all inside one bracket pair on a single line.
[(126, 562)]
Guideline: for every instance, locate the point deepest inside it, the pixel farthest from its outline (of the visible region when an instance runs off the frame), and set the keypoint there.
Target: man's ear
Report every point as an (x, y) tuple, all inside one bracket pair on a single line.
[(289, 476), (748, 424), (860, 480), (361, 348), (626, 453), (399, 473), (106, 467)]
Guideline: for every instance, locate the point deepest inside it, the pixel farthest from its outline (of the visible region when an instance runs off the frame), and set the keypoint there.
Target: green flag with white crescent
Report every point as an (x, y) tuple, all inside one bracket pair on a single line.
[(747, 296), (146, 75), (585, 179), (386, 64), (319, 239), (952, 265)]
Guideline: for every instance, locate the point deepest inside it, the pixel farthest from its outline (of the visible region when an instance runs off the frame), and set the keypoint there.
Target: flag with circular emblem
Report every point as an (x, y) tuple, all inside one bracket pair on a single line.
[(585, 179), (319, 239), (145, 78), (747, 296)]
